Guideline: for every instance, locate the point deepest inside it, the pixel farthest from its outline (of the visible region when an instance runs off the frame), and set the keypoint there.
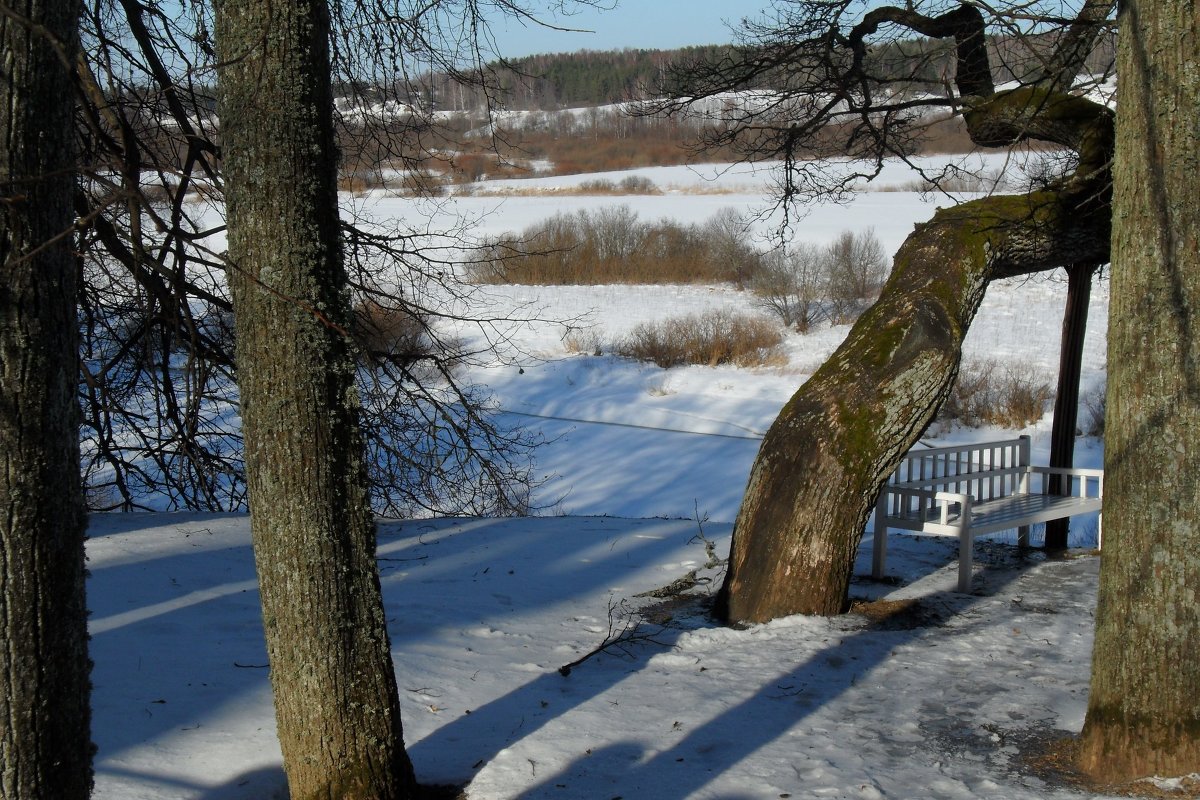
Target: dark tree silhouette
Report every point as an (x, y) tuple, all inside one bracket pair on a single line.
[(45, 713), (158, 370)]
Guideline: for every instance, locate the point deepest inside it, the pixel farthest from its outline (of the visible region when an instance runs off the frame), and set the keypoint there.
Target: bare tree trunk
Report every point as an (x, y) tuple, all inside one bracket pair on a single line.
[(823, 461), (336, 700), (45, 744), (1144, 707), (1066, 398)]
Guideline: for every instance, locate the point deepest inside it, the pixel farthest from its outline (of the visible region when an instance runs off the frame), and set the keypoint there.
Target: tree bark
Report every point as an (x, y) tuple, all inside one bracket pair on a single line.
[(823, 461), (1066, 398), (45, 744), (1143, 709), (336, 700)]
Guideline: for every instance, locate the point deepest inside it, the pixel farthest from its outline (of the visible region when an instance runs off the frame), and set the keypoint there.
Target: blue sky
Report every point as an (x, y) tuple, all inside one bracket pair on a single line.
[(646, 24)]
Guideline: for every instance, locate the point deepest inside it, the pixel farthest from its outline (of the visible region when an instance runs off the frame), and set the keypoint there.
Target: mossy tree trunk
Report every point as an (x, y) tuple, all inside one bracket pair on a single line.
[(45, 744), (824, 459), (1144, 706), (336, 699)]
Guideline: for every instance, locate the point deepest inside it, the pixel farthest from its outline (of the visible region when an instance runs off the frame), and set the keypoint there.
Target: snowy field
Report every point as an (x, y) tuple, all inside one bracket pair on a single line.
[(945, 698)]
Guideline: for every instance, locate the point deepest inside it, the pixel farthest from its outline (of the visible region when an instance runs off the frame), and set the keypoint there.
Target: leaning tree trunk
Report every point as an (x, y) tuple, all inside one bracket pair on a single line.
[(823, 461), (1144, 706), (45, 744), (336, 700)]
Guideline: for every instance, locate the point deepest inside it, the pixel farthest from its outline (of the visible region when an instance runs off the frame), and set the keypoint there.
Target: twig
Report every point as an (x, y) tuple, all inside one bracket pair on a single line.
[(710, 547), (623, 630), (676, 587)]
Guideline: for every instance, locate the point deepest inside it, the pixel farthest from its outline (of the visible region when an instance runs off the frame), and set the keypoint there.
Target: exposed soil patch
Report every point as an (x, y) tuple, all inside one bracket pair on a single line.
[(897, 615), (1052, 757)]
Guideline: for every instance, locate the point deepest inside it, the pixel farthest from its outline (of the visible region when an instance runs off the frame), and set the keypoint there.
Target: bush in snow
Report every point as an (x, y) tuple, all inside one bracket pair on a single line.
[(708, 339)]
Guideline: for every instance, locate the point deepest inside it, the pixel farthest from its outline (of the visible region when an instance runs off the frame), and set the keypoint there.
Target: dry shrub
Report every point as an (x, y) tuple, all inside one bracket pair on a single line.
[(421, 183), (606, 187), (638, 184), (791, 285), (584, 341), (598, 186), (856, 266), (946, 135), (612, 245), (1008, 396), (803, 283), (634, 184), (608, 142), (961, 183), (708, 339), (471, 167), (355, 183)]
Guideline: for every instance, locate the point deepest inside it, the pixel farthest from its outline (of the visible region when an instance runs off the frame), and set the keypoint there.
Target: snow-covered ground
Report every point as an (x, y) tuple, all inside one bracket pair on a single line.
[(944, 699)]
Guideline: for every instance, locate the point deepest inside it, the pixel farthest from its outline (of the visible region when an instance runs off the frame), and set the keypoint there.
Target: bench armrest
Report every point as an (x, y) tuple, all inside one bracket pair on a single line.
[(906, 491), (1091, 473), (923, 504), (1087, 477)]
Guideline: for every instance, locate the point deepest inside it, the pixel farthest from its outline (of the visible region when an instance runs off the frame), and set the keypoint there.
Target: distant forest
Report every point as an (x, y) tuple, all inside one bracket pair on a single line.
[(550, 82), (464, 141), (592, 78)]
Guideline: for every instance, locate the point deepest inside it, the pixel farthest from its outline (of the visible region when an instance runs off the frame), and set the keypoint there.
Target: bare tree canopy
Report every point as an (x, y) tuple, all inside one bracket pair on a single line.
[(822, 84), (158, 369)]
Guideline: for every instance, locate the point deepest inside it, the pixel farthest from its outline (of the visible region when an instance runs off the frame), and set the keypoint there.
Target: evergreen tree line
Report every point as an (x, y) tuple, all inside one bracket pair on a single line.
[(550, 81)]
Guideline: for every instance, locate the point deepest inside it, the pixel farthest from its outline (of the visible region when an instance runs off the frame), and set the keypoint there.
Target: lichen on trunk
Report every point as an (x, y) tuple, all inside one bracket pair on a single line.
[(45, 713), (336, 700), (1143, 714)]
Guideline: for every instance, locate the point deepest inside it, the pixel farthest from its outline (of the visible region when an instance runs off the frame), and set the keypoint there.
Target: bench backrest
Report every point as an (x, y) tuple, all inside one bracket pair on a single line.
[(985, 470)]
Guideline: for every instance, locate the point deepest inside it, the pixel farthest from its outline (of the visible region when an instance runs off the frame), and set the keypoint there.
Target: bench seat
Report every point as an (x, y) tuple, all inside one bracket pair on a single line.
[(1005, 513)]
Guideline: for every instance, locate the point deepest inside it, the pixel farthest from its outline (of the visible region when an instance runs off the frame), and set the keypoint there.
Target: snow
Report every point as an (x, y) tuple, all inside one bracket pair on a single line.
[(943, 702), (948, 698)]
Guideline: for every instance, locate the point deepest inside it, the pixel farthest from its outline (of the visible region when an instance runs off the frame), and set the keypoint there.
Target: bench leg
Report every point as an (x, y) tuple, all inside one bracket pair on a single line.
[(965, 554), (1023, 537), (879, 546)]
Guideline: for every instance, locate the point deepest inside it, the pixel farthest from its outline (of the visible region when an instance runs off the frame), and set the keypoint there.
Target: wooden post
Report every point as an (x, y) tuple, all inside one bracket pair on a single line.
[(879, 545), (966, 549), (1066, 402)]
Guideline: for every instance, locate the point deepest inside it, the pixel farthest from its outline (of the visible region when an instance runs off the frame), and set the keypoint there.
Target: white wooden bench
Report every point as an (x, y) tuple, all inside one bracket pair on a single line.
[(970, 490)]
